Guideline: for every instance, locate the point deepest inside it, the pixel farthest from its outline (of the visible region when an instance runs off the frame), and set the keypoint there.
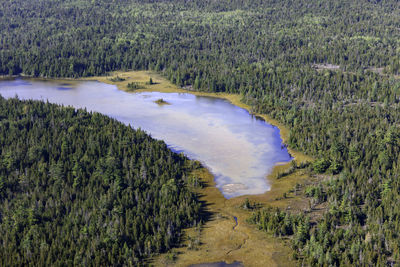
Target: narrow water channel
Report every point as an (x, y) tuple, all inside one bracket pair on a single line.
[(218, 264)]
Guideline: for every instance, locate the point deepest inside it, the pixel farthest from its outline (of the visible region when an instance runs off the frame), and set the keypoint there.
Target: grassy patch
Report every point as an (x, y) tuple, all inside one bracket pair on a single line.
[(117, 79), (161, 102), (138, 81)]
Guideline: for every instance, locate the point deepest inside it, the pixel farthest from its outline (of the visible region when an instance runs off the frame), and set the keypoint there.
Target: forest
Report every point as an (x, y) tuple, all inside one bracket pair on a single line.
[(79, 188), (329, 70)]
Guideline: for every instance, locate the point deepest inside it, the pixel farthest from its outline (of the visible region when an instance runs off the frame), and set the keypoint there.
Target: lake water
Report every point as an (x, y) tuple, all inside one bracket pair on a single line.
[(239, 149)]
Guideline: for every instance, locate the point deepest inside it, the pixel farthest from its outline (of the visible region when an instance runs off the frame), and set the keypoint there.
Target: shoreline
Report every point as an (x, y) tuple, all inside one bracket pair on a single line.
[(234, 99), (160, 86), (222, 238)]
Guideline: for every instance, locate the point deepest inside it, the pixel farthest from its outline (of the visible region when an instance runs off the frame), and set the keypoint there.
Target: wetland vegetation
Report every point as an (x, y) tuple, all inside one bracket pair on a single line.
[(161, 101)]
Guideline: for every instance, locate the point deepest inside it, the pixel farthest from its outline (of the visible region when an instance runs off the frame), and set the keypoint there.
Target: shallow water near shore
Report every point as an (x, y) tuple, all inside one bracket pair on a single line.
[(238, 148)]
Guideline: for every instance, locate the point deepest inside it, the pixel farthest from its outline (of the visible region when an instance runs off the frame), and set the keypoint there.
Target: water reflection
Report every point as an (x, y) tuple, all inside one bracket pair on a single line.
[(239, 149)]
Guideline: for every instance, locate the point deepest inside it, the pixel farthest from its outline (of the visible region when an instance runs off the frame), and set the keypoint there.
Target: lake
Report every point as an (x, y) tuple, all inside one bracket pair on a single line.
[(238, 148)]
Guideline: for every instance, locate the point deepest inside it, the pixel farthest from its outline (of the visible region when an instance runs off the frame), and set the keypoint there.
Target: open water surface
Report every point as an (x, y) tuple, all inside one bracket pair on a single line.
[(238, 148)]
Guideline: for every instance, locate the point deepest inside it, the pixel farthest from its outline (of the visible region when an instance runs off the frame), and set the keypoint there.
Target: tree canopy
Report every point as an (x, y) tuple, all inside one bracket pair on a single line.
[(329, 70), (79, 188)]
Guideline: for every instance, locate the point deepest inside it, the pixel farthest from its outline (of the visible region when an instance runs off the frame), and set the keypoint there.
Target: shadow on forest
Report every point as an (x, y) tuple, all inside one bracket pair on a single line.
[(205, 213)]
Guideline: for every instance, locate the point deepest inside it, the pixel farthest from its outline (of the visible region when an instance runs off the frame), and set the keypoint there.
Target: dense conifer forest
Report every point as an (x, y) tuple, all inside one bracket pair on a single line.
[(327, 69), (78, 188)]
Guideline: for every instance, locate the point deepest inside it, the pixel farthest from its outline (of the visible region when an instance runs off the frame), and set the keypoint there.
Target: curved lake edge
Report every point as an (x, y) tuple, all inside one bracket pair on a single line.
[(233, 241), (163, 86), (234, 99)]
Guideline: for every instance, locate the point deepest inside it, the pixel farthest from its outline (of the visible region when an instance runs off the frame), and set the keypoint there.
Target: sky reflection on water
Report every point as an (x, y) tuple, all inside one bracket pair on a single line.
[(239, 149)]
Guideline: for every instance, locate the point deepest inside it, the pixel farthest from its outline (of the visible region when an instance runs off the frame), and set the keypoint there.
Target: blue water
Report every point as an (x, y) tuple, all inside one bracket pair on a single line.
[(238, 148)]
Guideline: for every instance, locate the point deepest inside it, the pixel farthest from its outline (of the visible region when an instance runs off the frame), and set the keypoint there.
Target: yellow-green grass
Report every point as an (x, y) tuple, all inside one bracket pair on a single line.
[(218, 240), (161, 102), (142, 78), (244, 243)]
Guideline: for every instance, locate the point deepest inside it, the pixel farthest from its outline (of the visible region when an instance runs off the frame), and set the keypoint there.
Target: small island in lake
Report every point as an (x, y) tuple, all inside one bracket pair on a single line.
[(161, 101)]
